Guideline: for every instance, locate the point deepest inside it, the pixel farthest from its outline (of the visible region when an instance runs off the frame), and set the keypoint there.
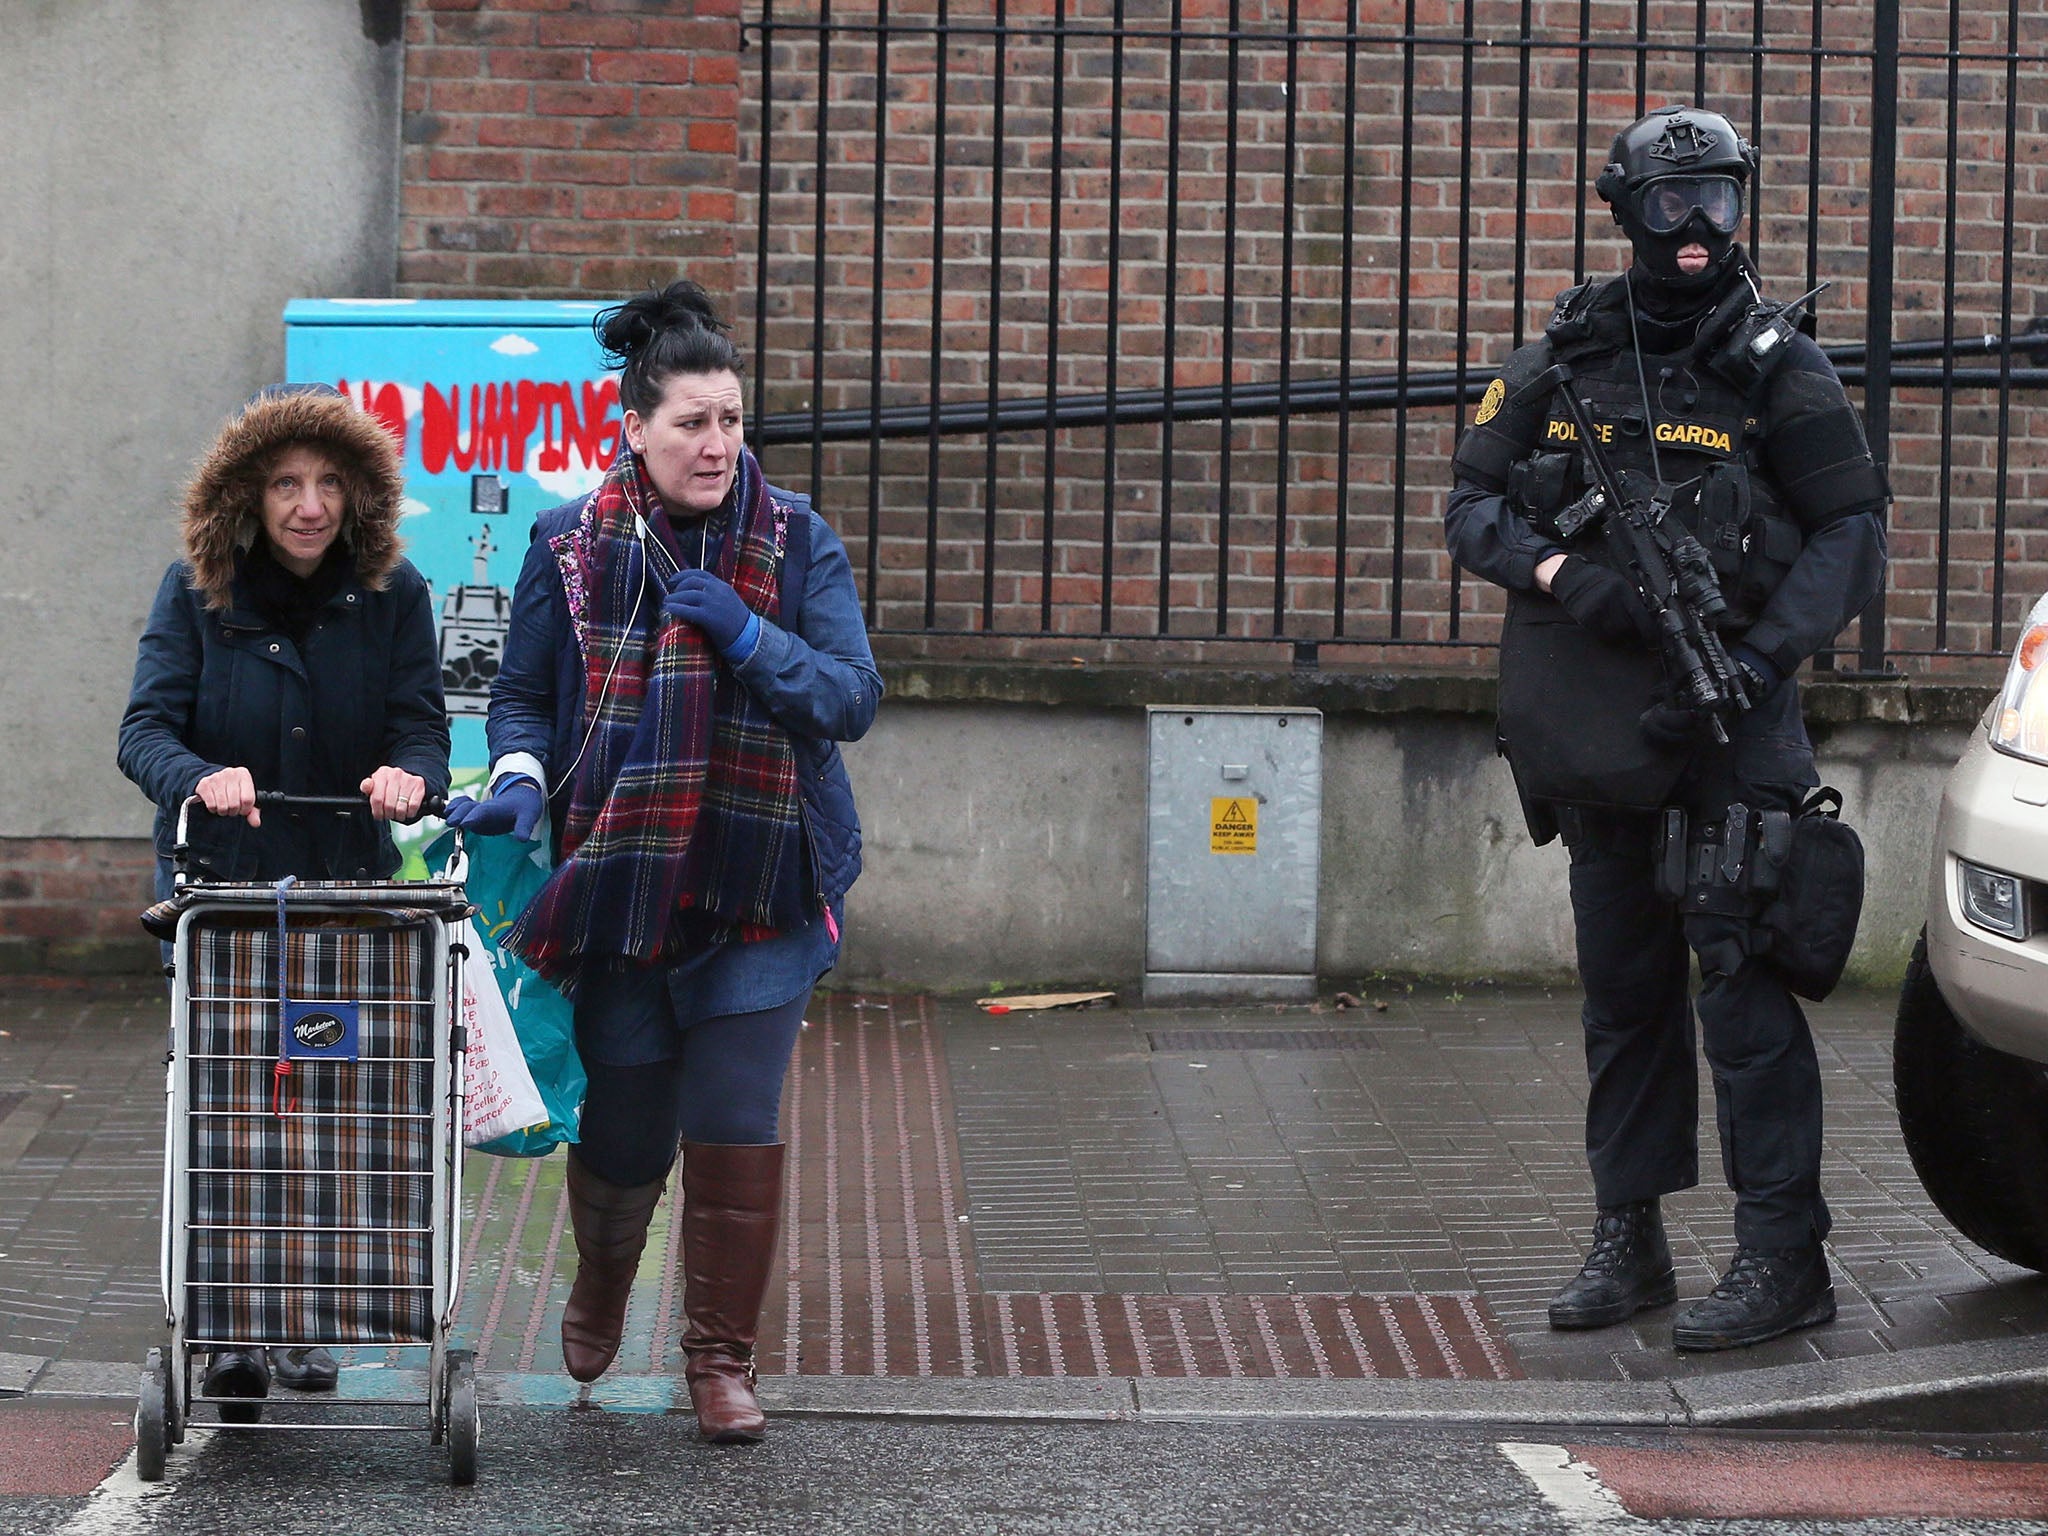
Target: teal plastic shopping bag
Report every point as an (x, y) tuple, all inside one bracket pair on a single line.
[(503, 875)]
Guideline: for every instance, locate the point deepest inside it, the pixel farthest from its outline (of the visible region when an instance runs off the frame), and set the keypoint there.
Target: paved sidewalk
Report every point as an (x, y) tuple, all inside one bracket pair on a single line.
[(1109, 1213)]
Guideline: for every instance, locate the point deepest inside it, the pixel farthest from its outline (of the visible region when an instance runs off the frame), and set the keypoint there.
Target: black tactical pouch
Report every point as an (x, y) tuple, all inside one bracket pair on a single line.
[(1770, 546), (1748, 536), (1811, 926), (1542, 485), (1667, 876), (1723, 518)]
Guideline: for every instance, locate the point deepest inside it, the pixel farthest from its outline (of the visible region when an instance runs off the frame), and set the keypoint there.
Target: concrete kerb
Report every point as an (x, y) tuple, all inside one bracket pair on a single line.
[(17, 1372), (1986, 1387), (1980, 1387)]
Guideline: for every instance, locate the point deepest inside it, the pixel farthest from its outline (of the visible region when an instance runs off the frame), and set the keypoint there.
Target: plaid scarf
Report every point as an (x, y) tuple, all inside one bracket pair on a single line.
[(684, 825)]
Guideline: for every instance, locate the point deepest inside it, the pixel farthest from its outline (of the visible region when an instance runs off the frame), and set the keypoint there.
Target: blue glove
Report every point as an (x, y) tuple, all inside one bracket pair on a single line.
[(710, 603), (515, 806)]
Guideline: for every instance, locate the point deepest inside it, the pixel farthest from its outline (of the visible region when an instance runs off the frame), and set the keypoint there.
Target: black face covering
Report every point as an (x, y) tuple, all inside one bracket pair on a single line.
[(1666, 288)]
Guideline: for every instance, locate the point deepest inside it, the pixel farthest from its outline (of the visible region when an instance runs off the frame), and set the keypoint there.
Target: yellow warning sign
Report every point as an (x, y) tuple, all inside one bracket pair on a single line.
[(1233, 826)]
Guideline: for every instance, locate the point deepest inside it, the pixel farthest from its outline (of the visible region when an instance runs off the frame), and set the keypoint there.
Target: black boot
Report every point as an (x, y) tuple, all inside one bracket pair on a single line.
[(238, 1373), (1629, 1269), (305, 1370), (1766, 1292)]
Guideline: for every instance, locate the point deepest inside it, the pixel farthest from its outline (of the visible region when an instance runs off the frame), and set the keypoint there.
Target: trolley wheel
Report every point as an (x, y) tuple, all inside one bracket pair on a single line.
[(459, 1396), (152, 1418)]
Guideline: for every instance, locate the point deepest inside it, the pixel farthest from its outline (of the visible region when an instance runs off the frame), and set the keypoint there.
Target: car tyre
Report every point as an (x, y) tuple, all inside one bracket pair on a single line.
[(1975, 1122)]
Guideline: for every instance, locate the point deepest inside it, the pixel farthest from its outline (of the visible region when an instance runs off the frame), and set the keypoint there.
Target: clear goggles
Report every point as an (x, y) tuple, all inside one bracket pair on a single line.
[(1666, 203)]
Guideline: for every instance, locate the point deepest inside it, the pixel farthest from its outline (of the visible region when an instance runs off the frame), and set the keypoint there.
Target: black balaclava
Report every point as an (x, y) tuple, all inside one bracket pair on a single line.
[(1688, 141), (1657, 256)]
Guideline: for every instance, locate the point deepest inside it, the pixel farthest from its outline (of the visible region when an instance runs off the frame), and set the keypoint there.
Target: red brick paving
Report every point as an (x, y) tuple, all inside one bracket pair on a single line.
[(1317, 1336), (875, 1274), (1808, 1480), (877, 1267), (62, 1452)]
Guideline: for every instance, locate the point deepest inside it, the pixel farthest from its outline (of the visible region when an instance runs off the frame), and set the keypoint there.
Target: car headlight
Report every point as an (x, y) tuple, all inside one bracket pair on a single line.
[(2020, 723)]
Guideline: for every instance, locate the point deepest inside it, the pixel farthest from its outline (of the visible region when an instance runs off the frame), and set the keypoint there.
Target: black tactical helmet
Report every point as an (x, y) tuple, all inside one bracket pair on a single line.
[(1675, 178), (1673, 141)]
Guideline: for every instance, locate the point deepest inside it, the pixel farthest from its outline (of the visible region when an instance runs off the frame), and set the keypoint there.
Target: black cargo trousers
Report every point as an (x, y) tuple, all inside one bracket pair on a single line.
[(1634, 953)]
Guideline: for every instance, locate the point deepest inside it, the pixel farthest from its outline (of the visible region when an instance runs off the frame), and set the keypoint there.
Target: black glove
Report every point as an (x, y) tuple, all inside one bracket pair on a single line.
[(1760, 675), (1603, 602), (1676, 725)]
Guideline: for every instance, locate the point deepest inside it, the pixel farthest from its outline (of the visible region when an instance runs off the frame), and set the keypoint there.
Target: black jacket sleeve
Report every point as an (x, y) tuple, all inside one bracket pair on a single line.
[(1818, 458), (1485, 533), (152, 748)]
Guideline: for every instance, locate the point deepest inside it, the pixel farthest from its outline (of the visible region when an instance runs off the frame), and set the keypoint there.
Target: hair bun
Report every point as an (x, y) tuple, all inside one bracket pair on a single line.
[(656, 335), (684, 303), (626, 330)]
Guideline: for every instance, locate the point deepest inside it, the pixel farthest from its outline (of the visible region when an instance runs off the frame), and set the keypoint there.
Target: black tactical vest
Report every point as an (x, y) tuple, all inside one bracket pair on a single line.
[(1570, 703), (1679, 415)]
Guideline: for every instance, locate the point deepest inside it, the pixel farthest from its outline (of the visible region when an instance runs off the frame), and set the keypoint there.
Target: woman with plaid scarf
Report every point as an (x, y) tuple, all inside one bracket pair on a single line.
[(686, 651)]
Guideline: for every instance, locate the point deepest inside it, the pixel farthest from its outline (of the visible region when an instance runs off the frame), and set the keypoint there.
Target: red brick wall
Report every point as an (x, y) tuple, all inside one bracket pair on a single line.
[(565, 149), (575, 147), (70, 904)]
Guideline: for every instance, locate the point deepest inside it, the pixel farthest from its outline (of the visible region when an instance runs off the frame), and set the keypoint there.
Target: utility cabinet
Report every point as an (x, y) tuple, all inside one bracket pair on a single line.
[(1234, 811)]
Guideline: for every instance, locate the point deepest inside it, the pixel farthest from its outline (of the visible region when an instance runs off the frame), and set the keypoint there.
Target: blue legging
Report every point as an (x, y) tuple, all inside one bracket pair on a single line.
[(725, 1088)]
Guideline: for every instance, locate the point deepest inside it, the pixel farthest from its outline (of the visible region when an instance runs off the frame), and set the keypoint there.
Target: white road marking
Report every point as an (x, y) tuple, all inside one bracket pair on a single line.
[(1571, 1488), (120, 1505)]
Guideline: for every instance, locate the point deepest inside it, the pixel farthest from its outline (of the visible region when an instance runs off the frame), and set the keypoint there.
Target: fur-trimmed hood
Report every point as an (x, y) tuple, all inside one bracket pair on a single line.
[(224, 500)]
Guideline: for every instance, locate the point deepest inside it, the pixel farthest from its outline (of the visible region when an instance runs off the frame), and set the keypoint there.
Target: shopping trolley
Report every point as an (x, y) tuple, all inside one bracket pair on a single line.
[(312, 1144)]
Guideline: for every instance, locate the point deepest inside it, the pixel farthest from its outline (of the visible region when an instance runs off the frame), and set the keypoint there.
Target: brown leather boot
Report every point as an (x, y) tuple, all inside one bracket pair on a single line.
[(611, 1229), (732, 1197)]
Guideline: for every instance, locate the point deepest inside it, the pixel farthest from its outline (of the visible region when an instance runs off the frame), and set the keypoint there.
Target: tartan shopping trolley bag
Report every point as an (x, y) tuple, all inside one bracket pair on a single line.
[(312, 1145)]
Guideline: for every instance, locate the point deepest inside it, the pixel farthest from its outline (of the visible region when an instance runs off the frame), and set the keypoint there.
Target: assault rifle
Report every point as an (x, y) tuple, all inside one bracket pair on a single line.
[(1671, 572)]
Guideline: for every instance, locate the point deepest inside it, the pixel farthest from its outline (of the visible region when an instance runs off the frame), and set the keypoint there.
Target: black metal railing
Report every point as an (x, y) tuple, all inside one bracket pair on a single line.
[(1113, 402)]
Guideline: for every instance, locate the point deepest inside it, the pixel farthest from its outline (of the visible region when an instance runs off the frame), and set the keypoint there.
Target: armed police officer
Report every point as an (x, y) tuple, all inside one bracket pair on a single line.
[(1679, 499)]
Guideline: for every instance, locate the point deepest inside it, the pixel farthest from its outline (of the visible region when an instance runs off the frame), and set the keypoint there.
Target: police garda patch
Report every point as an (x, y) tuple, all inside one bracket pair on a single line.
[(1490, 403)]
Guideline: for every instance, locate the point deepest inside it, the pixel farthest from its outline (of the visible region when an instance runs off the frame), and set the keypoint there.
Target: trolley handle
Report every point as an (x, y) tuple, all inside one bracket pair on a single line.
[(341, 805), (433, 805)]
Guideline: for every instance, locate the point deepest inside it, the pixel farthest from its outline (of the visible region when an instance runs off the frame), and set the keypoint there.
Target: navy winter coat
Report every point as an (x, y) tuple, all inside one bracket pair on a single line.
[(812, 671), (227, 689)]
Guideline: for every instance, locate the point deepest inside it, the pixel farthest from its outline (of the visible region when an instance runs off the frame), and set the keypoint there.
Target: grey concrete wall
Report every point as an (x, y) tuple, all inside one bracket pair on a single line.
[(1002, 843), (172, 174), (1005, 835)]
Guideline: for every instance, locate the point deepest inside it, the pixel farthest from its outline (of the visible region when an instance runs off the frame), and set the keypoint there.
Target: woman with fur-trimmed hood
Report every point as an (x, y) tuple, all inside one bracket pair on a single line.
[(290, 648)]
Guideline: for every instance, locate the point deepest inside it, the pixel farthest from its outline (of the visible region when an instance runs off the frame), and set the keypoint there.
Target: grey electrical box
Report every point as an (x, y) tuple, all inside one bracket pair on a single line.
[(1234, 806)]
